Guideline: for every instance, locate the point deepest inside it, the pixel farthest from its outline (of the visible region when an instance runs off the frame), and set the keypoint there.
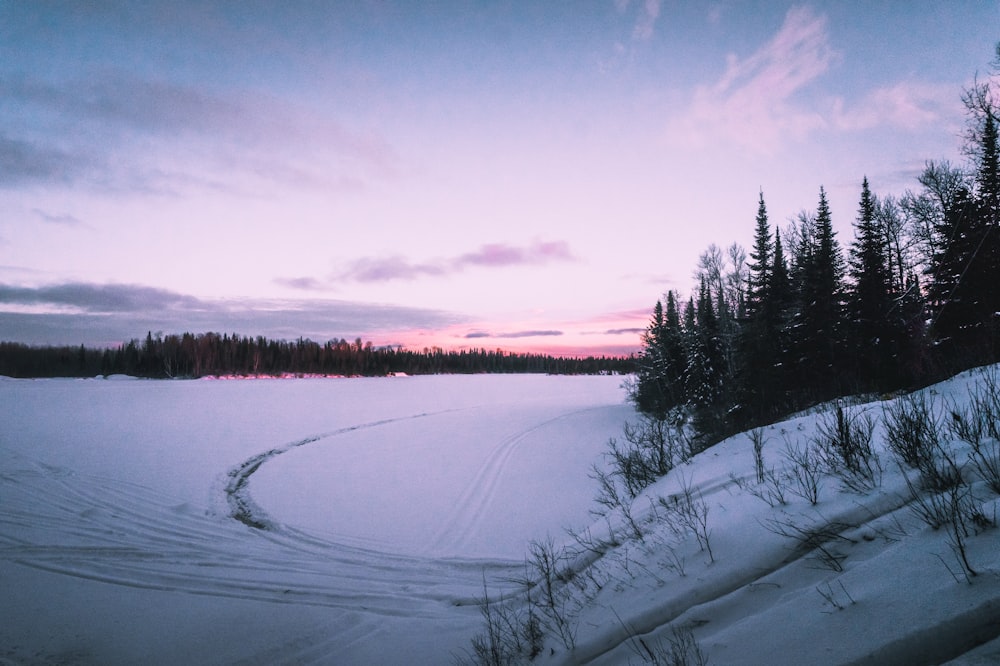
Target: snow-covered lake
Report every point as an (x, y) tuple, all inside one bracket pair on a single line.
[(127, 513), (387, 501)]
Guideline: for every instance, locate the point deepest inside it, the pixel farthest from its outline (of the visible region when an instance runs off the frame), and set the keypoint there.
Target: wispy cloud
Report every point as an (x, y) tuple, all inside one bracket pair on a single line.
[(371, 269), (499, 254), (301, 283), (754, 104), (906, 105), (28, 162), (75, 313), (647, 13), (492, 255), (646, 22), (98, 298), (510, 335), (235, 131), (61, 219)]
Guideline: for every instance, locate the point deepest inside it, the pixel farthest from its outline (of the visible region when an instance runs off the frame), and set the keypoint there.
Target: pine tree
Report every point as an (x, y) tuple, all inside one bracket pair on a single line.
[(673, 347), (760, 266), (818, 340), (651, 391), (761, 343), (953, 295), (780, 292), (874, 338), (988, 172), (987, 273), (659, 385), (704, 353)]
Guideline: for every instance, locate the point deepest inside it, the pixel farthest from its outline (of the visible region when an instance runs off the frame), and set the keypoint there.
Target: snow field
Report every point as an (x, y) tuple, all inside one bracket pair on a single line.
[(388, 500), (390, 503)]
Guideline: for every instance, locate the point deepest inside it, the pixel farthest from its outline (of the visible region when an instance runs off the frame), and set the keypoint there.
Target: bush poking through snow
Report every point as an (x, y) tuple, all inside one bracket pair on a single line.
[(817, 540), (844, 444), (688, 514), (757, 439), (614, 501), (678, 649), (978, 425), (651, 449), (549, 574), (805, 472), (500, 642), (837, 599), (913, 430), (770, 489), (946, 500)]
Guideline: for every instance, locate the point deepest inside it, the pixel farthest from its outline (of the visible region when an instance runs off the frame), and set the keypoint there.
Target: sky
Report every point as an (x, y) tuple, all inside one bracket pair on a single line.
[(530, 176)]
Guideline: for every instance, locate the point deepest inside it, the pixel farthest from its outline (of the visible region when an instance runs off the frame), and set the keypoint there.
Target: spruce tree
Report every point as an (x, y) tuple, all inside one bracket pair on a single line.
[(673, 349), (703, 377), (761, 341), (953, 295), (650, 391), (818, 339), (760, 265), (988, 172), (659, 385), (987, 273), (780, 292), (870, 303)]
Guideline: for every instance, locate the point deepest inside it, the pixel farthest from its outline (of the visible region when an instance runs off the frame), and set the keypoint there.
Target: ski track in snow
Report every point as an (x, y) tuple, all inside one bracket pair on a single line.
[(120, 533), (475, 501), (115, 532), (241, 505)]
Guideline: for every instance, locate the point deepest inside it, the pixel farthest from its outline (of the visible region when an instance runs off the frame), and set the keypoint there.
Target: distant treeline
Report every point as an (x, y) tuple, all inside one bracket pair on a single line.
[(211, 354)]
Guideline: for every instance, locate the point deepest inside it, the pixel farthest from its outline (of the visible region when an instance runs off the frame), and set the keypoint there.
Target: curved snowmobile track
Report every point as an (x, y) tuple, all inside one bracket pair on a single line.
[(98, 529), (106, 530), (244, 509)]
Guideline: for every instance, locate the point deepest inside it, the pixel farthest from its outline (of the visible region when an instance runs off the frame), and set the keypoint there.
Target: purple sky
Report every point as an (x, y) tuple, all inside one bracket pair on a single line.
[(521, 175)]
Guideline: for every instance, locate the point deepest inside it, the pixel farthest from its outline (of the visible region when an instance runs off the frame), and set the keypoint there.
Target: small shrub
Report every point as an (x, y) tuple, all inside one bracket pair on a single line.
[(499, 644), (678, 649), (839, 600), (978, 425), (614, 500), (688, 514), (549, 576), (770, 489), (816, 541), (913, 430), (757, 438), (652, 448), (805, 472), (844, 442)]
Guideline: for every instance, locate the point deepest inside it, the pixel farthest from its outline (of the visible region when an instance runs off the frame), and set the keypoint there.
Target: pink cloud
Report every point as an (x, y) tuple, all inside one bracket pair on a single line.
[(648, 13), (390, 268), (492, 255), (498, 254), (753, 103), (513, 334), (301, 283), (905, 105)]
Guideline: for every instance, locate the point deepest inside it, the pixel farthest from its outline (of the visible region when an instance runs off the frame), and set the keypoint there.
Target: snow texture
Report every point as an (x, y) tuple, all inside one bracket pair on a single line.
[(356, 521)]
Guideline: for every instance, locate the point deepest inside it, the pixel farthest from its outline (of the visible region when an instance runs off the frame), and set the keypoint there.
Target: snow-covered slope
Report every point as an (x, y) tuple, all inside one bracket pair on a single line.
[(857, 578), (127, 513)]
